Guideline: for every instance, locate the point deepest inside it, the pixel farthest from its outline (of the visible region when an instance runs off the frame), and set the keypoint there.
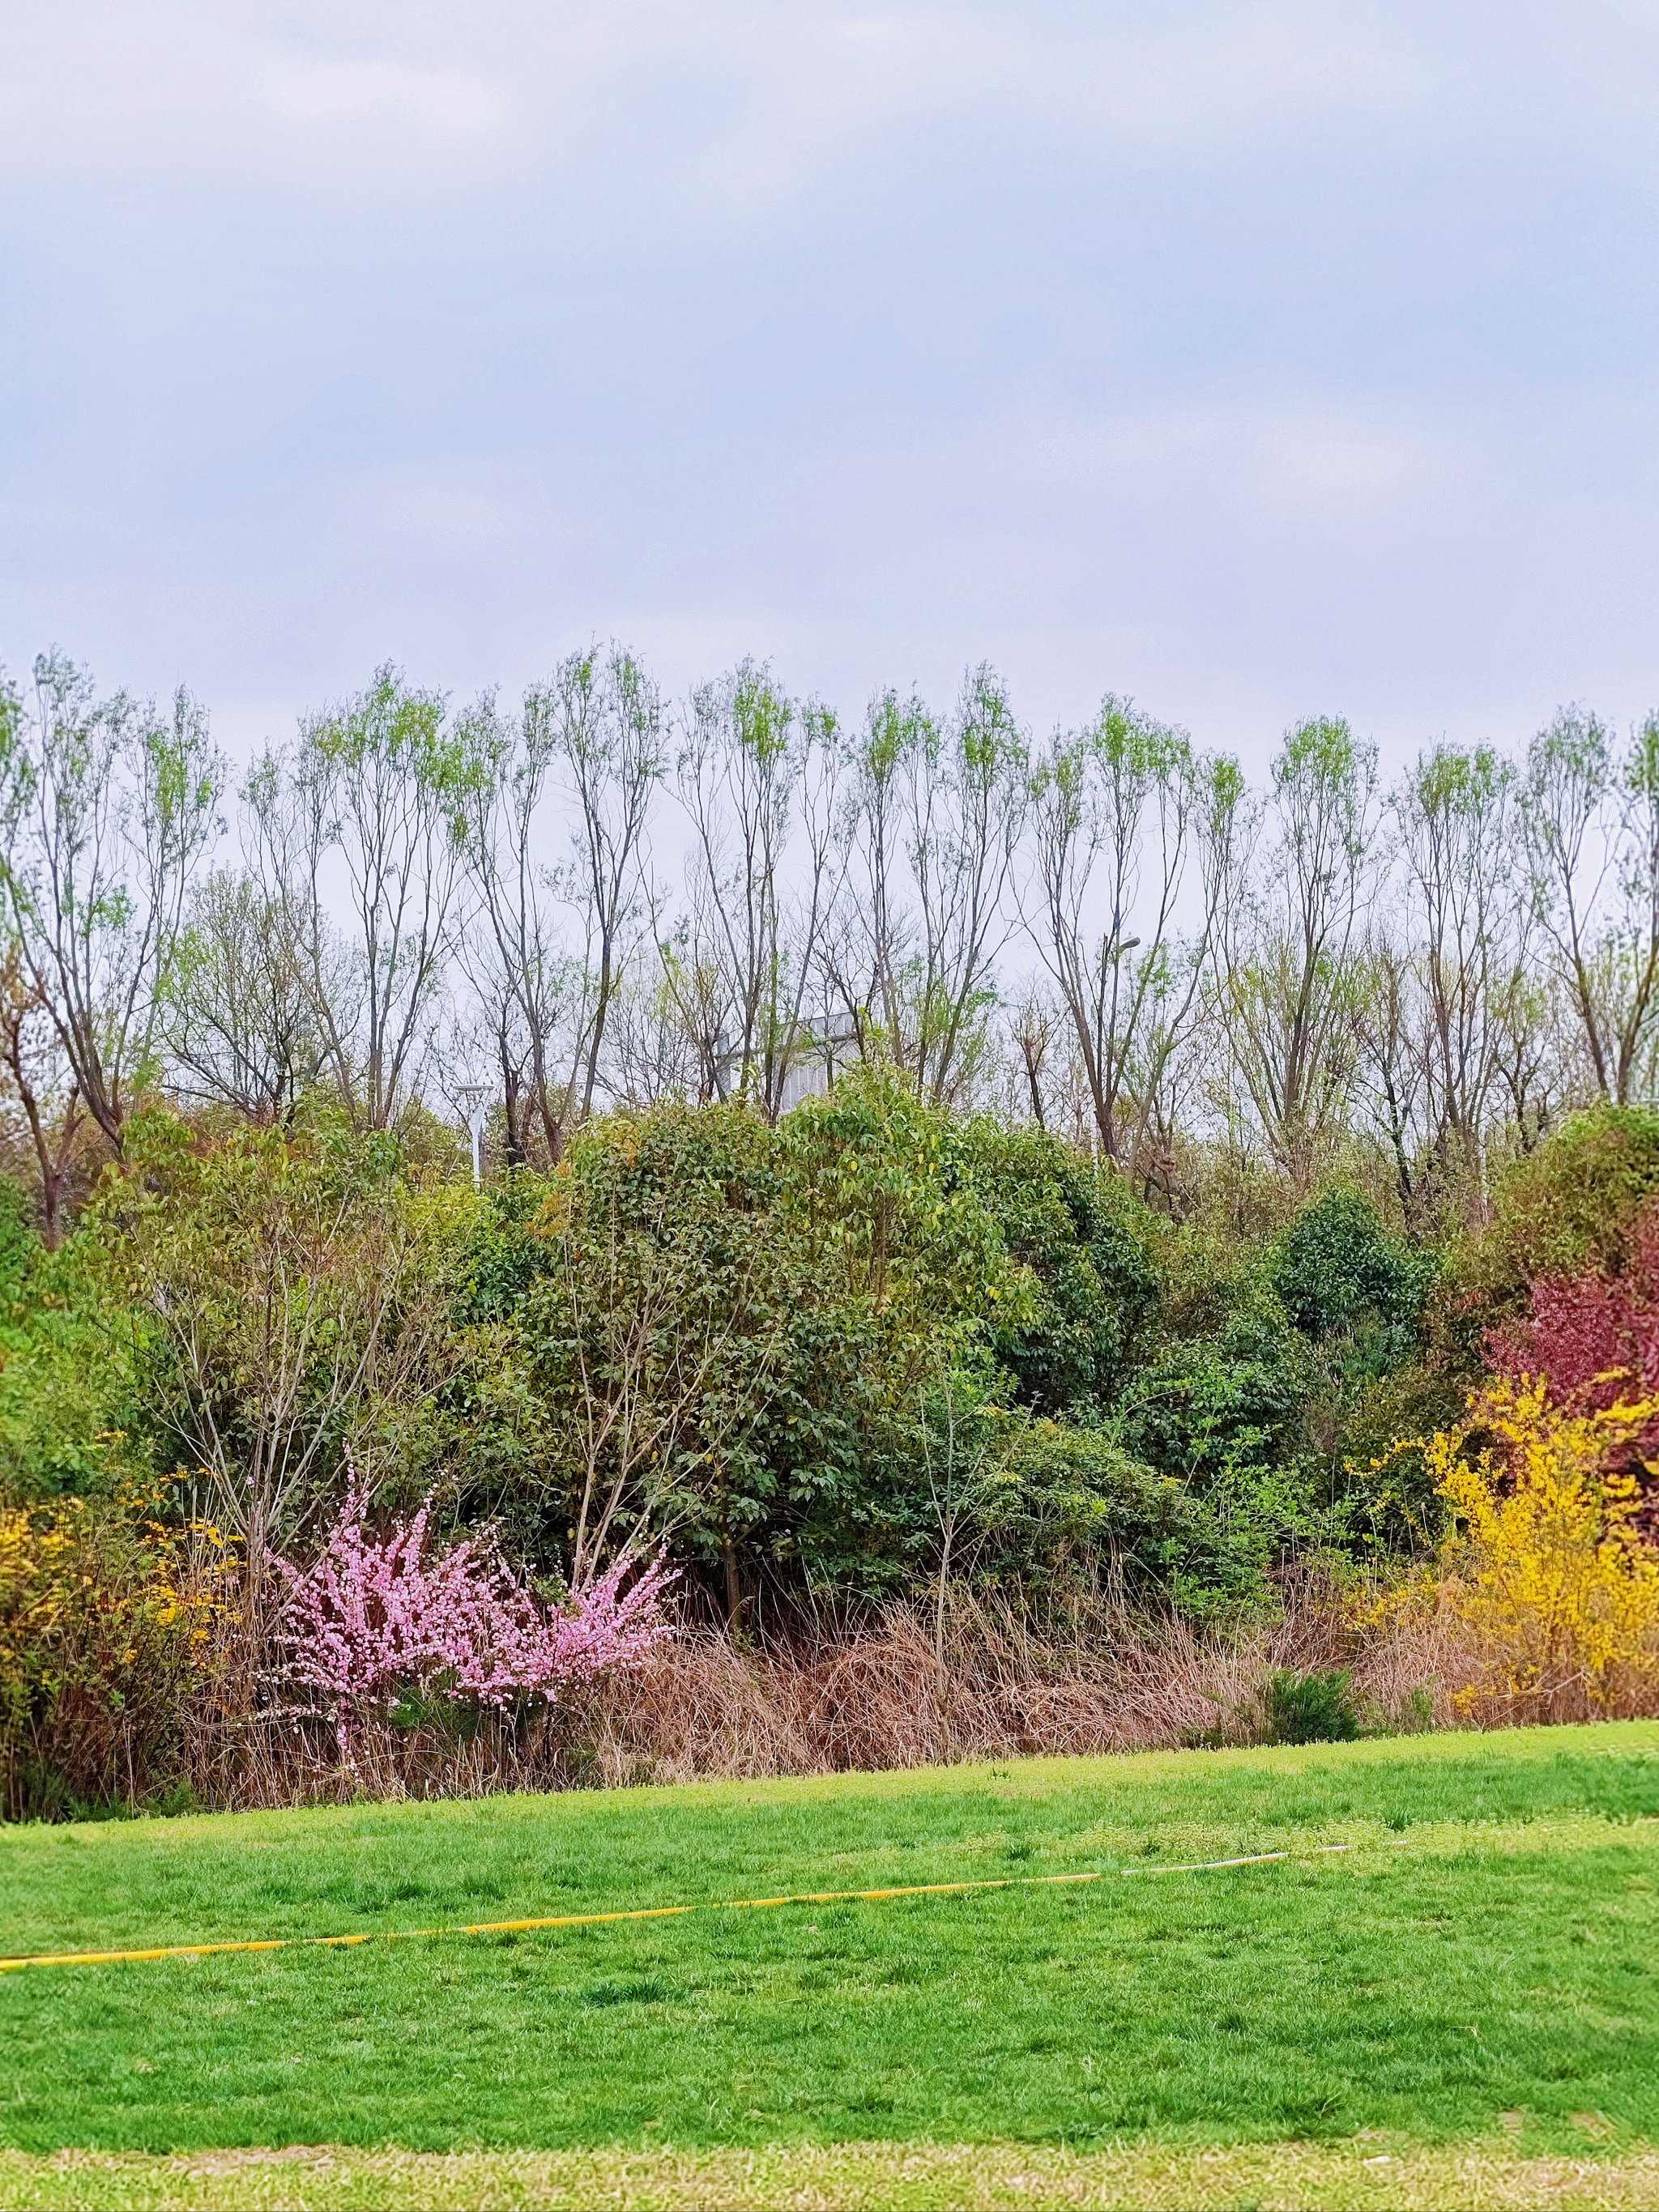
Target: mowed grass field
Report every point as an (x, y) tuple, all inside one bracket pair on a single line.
[(1473, 1987)]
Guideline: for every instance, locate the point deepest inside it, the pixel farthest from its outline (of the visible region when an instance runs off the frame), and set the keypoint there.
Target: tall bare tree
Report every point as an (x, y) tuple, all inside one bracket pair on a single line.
[(759, 776), (515, 961), (937, 811), (382, 783), (610, 728), (1391, 1025), (1289, 951), (1447, 983), (869, 963), (1124, 814), (1592, 817), (107, 807), (968, 793), (48, 1097), (243, 1028), (592, 739)]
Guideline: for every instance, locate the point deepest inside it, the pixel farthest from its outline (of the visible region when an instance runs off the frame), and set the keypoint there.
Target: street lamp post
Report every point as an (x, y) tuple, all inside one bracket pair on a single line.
[(474, 1101)]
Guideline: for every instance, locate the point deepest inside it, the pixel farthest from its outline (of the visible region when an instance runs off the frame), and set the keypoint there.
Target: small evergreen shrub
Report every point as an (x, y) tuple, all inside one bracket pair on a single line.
[(1313, 1708)]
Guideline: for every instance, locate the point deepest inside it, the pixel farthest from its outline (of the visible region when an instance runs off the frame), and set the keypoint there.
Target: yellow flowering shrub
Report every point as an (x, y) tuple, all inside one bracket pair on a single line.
[(1549, 1570), (108, 1622)]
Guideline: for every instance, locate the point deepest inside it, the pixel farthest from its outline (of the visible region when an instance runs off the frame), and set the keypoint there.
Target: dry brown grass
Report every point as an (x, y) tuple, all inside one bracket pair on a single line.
[(828, 1698), (829, 1695), (263, 1761)]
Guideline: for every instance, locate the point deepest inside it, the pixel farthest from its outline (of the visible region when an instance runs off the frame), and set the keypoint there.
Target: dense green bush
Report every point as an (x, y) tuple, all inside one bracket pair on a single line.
[(1350, 1286), (1090, 1247), (724, 1327), (1069, 1503)]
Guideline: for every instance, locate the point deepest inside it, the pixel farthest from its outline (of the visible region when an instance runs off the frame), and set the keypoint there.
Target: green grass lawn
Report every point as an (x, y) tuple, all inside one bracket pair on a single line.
[(1479, 1970)]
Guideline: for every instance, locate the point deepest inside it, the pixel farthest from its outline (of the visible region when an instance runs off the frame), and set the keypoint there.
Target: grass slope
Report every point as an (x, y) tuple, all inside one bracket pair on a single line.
[(1356, 2177), (1481, 1970)]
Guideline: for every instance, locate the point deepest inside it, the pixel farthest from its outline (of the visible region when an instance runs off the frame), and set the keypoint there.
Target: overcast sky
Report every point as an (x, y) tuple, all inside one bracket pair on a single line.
[(1255, 359)]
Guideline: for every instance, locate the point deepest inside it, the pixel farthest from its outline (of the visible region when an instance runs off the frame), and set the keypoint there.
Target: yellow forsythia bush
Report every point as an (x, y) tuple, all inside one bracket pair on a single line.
[(1549, 1572), (106, 1632)]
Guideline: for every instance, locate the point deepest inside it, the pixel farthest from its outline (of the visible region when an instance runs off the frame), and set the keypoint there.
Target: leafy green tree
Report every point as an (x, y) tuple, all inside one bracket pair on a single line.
[(1090, 1249), (1346, 1282), (725, 1323)]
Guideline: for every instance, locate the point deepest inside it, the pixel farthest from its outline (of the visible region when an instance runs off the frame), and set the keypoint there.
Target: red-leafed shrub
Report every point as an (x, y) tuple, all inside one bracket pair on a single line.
[(1592, 1338)]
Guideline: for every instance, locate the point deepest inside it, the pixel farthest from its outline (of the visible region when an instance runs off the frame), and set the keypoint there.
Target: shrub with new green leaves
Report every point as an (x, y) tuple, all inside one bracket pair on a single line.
[(1045, 1509), (1560, 1210), (284, 1296), (66, 1405)]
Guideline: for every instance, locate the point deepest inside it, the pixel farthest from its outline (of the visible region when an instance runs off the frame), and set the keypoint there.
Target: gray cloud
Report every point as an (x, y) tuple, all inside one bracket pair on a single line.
[(1251, 358)]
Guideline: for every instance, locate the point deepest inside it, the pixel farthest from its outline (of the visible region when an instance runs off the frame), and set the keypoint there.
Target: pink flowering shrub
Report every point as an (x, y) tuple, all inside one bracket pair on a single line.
[(374, 1617)]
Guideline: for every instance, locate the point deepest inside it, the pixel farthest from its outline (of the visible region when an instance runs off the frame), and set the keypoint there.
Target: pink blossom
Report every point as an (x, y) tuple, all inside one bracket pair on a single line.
[(373, 1616)]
